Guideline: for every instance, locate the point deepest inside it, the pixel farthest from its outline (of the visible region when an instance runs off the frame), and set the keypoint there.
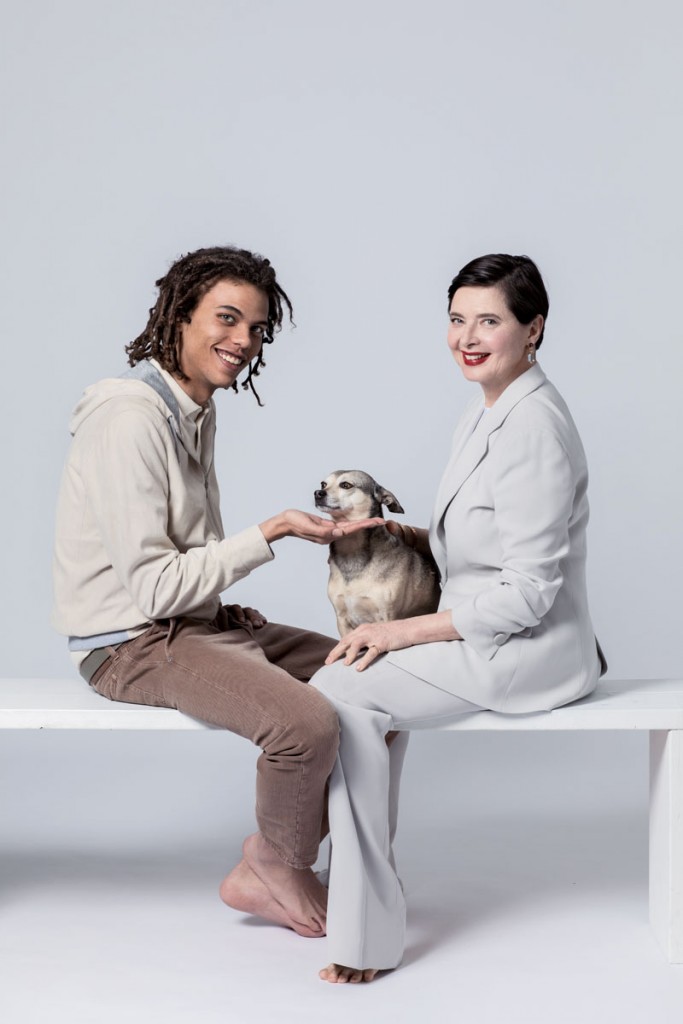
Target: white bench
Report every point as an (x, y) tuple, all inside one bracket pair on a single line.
[(652, 705)]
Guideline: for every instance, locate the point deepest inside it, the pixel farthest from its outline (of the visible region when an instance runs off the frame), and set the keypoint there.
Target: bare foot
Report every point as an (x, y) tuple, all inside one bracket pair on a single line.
[(296, 890), (243, 890), (338, 975)]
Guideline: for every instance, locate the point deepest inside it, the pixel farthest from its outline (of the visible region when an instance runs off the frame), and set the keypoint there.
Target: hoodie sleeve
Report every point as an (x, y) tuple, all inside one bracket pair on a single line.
[(131, 470)]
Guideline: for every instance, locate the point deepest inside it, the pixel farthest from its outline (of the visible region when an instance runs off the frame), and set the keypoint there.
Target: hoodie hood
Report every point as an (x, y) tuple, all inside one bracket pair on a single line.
[(141, 381)]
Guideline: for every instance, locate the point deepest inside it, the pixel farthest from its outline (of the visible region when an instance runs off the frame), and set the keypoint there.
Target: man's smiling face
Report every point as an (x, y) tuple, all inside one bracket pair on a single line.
[(225, 332)]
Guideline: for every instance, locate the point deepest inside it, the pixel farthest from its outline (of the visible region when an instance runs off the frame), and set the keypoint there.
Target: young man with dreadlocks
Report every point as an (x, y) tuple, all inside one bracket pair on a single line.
[(141, 559)]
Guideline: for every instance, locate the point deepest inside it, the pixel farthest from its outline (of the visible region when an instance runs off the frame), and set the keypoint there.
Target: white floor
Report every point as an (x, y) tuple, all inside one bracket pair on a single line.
[(525, 866)]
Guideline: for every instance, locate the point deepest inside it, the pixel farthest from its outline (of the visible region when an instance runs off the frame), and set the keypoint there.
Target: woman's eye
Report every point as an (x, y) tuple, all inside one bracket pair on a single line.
[(258, 331), (227, 318), (489, 321)]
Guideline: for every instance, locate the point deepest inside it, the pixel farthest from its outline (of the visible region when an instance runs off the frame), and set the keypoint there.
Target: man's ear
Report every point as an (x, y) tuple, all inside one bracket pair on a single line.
[(389, 499)]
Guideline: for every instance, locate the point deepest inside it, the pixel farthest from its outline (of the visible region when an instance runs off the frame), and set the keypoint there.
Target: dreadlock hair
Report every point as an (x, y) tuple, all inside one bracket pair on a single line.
[(180, 290)]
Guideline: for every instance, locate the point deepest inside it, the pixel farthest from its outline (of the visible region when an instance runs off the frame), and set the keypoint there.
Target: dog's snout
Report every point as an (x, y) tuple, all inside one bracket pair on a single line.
[(318, 495)]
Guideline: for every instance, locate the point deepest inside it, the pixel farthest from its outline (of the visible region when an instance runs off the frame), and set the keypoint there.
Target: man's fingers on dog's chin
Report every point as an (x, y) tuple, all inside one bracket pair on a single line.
[(319, 534), (364, 524)]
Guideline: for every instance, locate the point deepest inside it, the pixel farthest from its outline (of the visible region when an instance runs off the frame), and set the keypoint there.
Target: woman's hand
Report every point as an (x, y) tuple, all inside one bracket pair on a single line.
[(246, 616), (306, 526), (371, 639), (413, 536)]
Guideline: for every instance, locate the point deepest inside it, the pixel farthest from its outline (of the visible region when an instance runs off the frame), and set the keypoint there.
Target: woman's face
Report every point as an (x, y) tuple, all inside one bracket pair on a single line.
[(487, 340)]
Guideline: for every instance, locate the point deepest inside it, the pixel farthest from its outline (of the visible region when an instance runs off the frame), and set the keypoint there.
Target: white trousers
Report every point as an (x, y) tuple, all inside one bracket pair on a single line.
[(366, 908)]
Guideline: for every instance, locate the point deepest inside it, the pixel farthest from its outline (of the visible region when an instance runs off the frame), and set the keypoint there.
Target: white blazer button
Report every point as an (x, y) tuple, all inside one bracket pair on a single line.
[(500, 638)]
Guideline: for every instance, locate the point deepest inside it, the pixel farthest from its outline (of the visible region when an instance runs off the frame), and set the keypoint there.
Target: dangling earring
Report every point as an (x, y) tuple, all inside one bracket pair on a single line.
[(531, 357)]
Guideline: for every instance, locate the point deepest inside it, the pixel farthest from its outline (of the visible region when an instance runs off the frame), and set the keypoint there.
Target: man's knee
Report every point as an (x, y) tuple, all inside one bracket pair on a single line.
[(312, 734), (322, 728)]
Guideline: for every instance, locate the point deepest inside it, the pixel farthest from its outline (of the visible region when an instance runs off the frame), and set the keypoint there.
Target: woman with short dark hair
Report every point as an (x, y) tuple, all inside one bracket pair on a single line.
[(513, 631)]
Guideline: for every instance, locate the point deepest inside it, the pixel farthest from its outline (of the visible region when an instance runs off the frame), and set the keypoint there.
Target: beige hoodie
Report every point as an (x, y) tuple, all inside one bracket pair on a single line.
[(139, 535)]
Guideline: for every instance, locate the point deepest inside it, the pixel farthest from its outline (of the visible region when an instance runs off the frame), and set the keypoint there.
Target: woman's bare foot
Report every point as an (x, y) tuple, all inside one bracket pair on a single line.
[(338, 975), (243, 890), (296, 890)]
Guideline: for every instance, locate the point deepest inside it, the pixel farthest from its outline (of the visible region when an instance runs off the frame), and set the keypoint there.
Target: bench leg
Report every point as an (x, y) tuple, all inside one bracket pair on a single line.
[(666, 841)]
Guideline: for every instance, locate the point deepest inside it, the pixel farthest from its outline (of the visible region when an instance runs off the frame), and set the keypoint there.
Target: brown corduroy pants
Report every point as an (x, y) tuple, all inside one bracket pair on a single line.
[(249, 681)]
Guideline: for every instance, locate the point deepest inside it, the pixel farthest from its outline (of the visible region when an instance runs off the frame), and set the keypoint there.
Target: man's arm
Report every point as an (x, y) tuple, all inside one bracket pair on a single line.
[(128, 484)]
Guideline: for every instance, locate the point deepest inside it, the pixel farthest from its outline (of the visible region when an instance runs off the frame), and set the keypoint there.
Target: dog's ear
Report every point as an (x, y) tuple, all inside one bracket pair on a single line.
[(389, 499)]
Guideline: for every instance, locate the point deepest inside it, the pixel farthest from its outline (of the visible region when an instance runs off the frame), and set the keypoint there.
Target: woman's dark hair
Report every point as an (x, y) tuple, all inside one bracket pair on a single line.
[(187, 280), (518, 277)]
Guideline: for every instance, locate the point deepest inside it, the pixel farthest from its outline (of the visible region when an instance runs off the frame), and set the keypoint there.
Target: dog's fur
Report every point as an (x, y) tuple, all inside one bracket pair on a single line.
[(374, 576)]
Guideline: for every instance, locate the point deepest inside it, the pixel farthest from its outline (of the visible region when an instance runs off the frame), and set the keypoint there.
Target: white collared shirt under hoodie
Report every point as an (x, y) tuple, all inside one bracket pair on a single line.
[(139, 535)]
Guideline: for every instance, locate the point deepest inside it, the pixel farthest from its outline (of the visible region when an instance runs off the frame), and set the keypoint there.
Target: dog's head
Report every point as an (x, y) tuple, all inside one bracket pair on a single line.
[(351, 494)]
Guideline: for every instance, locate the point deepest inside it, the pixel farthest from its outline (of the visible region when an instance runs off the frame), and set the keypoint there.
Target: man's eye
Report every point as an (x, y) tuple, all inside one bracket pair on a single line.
[(260, 331), (346, 485), (227, 318)]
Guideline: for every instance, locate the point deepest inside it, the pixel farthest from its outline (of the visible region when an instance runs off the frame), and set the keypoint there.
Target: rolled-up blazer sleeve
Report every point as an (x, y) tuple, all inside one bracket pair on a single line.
[(533, 501)]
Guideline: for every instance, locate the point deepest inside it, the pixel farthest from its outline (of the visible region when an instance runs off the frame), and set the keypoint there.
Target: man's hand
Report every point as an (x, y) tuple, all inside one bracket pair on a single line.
[(307, 526), (246, 616)]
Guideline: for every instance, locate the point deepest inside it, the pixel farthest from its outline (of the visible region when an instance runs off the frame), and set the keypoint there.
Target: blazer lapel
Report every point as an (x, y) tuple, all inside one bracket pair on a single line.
[(469, 448), (462, 432)]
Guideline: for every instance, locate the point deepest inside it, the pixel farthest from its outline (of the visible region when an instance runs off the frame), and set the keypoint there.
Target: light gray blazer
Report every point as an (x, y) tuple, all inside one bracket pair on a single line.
[(508, 533)]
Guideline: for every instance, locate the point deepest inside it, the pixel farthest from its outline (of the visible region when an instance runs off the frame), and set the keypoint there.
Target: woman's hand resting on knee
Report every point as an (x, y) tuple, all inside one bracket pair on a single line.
[(367, 641)]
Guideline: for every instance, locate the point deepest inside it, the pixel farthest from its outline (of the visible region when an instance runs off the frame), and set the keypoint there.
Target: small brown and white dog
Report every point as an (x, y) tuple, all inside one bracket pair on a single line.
[(374, 575)]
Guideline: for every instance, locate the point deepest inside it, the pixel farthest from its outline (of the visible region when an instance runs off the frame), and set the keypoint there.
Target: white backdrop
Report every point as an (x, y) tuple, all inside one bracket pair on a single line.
[(369, 150)]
